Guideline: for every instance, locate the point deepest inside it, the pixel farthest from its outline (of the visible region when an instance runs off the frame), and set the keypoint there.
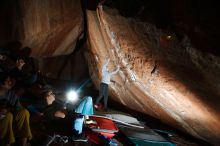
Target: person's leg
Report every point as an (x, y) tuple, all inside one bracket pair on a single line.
[(100, 94), (78, 125), (6, 130), (106, 96), (22, 125), (85, 107), (77, 129)]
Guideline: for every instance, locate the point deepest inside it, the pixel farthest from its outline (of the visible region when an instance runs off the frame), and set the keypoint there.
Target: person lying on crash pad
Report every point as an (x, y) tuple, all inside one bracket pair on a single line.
[(57, 114)]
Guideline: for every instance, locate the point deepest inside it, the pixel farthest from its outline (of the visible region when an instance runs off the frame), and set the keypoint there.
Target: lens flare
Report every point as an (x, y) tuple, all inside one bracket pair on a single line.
[(72, 96)]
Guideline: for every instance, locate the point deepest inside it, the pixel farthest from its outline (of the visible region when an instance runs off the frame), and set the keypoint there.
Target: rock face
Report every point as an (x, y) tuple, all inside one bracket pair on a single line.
[(49, 27), (159, 75), (72, 68)]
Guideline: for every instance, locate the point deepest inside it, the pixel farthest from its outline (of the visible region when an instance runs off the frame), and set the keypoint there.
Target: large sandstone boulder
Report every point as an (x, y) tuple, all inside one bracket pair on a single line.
[(159, 75), (49, 27)]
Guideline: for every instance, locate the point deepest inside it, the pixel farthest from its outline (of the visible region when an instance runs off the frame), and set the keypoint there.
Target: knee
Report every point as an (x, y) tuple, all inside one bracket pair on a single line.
[(9, 116), (24, 112), (89, 99)]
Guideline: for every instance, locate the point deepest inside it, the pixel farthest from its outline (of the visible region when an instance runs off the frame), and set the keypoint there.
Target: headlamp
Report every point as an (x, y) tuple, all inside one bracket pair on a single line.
[(72, 96)]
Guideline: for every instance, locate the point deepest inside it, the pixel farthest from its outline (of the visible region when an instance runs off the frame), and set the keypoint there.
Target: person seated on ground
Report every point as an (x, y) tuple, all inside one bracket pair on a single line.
[(14, 121), (31, 98), (24, 75), (57, 113)]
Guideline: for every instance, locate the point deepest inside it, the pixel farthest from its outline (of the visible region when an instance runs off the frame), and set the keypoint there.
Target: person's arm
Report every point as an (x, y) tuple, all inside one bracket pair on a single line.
[(60, 114), (55, 111), (114, 72), (20, 63), (3, 112), (104, 67), (17, 103), (16, 72), (13, 101), (33, 109)]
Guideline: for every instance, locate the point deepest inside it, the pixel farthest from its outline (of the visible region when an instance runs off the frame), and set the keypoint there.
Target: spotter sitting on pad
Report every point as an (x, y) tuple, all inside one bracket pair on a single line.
[(66, 120)]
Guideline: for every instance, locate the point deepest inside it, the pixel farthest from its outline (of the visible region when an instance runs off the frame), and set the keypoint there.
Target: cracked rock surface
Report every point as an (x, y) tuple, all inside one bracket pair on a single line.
[(48, 27), (159, 75)]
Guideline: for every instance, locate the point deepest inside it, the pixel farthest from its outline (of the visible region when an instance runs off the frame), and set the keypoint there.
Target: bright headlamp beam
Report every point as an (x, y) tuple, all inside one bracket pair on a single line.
[(72, 96)]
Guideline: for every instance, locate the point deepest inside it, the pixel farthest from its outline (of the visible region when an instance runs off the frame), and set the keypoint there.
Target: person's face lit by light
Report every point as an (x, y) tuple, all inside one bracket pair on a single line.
[(50, 97), (9, 83)]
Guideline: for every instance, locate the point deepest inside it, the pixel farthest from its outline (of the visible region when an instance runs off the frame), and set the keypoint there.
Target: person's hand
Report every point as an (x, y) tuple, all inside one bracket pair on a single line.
[(3, 111), (2, 57), (39, 114), (20, 63), (59, 114)]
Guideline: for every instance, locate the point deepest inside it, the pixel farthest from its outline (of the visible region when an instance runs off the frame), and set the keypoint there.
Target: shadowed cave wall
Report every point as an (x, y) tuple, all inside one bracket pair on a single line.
[(168, 52)]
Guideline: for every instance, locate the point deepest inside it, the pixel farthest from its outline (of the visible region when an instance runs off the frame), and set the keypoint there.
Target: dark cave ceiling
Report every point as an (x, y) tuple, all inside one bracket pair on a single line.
[(198, 19)]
